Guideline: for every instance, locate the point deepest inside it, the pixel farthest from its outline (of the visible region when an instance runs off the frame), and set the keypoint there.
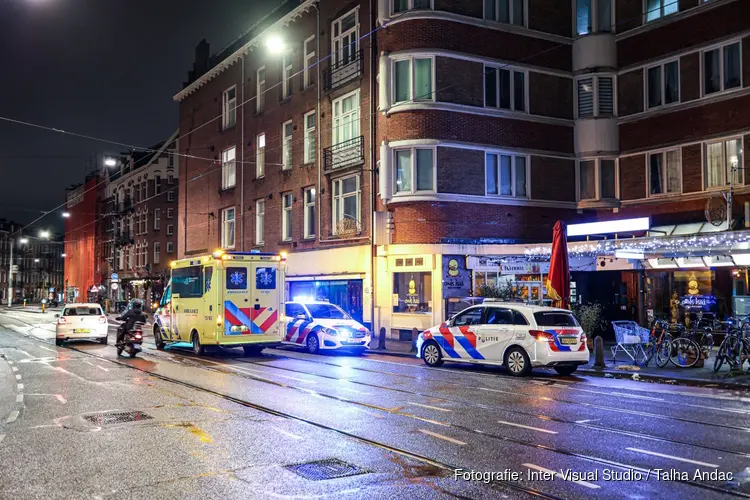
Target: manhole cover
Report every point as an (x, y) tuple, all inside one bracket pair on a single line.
[(330, 468), (117, 418)]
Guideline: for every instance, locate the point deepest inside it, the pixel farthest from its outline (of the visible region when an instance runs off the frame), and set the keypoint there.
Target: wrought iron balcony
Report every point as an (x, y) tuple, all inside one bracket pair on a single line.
[(346, 68), (124, 238), (344, 154)]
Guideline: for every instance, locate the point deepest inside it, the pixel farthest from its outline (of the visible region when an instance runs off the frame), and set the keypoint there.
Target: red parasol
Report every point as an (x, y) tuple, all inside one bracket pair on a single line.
[(558, 280)]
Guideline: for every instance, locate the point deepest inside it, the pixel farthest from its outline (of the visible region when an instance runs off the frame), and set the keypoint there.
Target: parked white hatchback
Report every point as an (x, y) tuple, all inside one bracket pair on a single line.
[(518, 336), (81, 321)]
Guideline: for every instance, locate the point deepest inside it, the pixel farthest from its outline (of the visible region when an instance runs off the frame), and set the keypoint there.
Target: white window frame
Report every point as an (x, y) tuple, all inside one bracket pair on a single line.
[(597, 178), (260, 222), (720, 47), (741, 167), (309, 62), (413, 165), (229, 108), (309, 139), (594, 18), (512, 88), (157, 219), (170, 229), (339, 216), (170, 195), (226, 222), (170, 177), (345, 119), (286, 76), (157, 252), (260, 89), (170, 247), (228, 168), (412, 91), (337, 54), (260, 156), (170, 213), (157, 185), (663, 153), (286, 145), (409, 7), (662, 4), (595, 83), (286, 215), (661, 66), (308, 213), (144, 258), (510, 13), (512, 173)]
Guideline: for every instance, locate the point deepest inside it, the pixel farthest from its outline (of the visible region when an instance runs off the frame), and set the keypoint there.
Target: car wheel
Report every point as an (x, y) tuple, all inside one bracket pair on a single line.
[(431, 354), (197, 347), (565, 370), (158, 340), (59, 342), (517, 362), (252, 350), (103, 340), (313, 344)]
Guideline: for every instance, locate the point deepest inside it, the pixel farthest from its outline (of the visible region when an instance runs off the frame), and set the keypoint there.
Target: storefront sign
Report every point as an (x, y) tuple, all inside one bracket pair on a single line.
[(456, 278), (698, 302)]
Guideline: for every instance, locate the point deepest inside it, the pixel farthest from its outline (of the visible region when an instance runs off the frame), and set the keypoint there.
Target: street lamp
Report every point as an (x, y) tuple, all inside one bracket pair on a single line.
[(63, 255), (44, 235), (36, 261), (275, 44), (110, 162), (24, 241), (66, 215)]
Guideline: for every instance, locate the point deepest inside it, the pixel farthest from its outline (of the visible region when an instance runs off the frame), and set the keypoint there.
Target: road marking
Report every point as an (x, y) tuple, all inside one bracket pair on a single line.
[(679, 459), (250, 371), (96, 366), (15, 369), (586, 420), (20, 387), (430, 407), (354, 391), (61, 399), (12, 417), (19, 398), (18, 377), (526, 427), (444, 438), (287, 434), (47, 349), (548, 471)]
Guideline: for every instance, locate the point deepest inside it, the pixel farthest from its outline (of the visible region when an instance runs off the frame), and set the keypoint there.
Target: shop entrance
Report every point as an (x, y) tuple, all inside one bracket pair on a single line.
[(347, 294)]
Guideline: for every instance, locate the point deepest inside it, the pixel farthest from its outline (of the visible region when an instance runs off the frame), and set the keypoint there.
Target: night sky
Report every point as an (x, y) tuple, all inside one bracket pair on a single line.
[(106, 68)]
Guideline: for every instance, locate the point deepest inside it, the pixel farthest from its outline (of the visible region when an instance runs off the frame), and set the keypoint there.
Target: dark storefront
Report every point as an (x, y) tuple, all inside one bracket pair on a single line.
[(347, 294)]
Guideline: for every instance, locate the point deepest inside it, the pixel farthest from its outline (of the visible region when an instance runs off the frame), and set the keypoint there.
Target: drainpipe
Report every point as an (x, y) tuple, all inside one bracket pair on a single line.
[(242, 161), (373, 191), (318, 139)]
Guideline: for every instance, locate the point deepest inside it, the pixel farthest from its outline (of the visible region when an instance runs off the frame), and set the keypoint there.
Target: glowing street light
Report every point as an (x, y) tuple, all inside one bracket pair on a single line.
[(275, 44), (63, 255), (66, 215), (110, 162), (24, 241), (44, 235)]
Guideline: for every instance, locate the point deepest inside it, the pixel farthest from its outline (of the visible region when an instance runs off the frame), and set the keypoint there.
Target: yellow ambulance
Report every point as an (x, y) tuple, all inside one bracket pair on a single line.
[(229, 299)]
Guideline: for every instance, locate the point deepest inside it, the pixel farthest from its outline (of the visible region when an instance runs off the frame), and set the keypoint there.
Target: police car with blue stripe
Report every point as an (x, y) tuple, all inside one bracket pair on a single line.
[(517, 336), (319, 325)]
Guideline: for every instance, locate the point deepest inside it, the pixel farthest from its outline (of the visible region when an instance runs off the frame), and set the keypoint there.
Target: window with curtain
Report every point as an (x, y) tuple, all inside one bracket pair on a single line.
[(506, 175), (722, 160), (722, 68), (593, 16), (414, 170), (412, 80)]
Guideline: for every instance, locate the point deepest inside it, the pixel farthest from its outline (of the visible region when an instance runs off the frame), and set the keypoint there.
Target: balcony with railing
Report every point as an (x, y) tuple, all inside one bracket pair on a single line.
[(127, 206), (123, 238), (344, 69), (344, 154)]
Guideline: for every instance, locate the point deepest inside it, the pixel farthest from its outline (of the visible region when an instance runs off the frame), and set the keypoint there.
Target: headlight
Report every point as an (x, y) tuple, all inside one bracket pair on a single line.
[(329, 331), (345, 333)]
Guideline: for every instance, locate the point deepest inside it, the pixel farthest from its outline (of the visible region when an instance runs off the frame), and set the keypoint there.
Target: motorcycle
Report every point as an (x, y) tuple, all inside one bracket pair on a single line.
[(131, 341)]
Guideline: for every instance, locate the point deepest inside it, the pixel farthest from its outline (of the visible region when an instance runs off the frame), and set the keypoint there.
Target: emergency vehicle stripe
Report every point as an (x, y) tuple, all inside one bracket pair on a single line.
[(446, 342), (269, 322), (470, 336), (308, 327), (293, 327), (241, 317), (470, 350), (557, 346)]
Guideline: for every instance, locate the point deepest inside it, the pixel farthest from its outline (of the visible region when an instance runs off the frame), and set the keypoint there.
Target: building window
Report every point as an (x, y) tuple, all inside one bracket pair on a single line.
[(170, 213), (722, 160), (157, 184), (286, 217), (505, 11), (170, 247), (260, 89), (344, 43), (664, 172), (499, 92), (260, 156), (157, 219), (228, 168), (309, 61), (170, 229), (663, 84), (592, 103), (229, 108), (227, 228), (309, 212), (722, 69), (170, 177), (415, 170), (346, 201), (260, 221), (656, 9), (286, 76), (412, 79), (597, 179), (506, 175), (346, 118), (286, 145), (309, 141), (404, 5), (170, 195), (412, 293), (157, 252), (594, 16), (144, 255)]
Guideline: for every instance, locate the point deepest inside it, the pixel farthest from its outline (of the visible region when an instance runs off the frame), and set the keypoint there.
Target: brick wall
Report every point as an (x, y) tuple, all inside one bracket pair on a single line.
[(459, 81), (692, 165), (690, 77), (553, 178), (550, 95), (471, 9), (633, 177), (629, 14), (551, 16), (460, 171), (630, 92)]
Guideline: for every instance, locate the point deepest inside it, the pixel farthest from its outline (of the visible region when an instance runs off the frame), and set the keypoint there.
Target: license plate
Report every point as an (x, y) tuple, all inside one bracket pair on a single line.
[(568, 340), (353, 342), (81, 330)]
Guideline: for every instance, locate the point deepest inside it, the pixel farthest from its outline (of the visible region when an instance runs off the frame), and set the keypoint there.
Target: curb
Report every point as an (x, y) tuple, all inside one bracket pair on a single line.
[(386, 352), (691, 381)]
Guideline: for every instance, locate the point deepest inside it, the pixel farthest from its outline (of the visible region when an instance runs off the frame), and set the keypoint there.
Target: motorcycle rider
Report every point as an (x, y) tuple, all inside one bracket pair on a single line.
[(130, 318)]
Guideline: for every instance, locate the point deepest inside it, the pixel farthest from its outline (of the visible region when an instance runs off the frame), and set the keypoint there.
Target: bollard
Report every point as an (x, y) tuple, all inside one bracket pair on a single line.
[(599, 353), (43, 304), (381, 341), (24, 302), (414, 335)]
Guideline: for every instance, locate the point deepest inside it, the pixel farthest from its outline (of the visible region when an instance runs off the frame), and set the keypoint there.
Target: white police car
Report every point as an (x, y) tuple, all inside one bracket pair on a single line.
[(319, 325), (518, 336)]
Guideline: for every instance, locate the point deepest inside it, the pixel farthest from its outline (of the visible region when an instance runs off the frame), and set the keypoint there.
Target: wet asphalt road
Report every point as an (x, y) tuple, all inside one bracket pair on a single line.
[(229, 426)]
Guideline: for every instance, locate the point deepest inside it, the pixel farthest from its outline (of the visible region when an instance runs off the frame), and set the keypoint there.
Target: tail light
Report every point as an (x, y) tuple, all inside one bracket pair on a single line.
[(62, 321), (138, 336), (542, 336), (426, 335), (102, 319), (583, 338)]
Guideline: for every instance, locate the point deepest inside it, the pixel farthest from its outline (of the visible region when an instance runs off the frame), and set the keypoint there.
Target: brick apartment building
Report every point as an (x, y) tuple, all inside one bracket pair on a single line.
[(141, 223), (478, 125)]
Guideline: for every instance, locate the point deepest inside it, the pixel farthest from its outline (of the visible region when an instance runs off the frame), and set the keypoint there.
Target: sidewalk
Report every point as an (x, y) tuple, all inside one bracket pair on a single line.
[(393, 347)]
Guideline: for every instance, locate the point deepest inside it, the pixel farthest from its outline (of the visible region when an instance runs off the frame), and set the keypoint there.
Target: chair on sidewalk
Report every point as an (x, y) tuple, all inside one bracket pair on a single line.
[(630, 337)]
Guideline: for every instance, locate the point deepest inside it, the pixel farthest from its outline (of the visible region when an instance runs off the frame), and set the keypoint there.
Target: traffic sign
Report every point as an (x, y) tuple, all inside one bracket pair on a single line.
[(94, 289), (114, 286), (115, 277)]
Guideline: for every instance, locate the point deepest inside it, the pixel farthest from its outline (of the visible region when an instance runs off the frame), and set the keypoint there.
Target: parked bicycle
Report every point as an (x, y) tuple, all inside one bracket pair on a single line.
[(735, 349), (658, 344)]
